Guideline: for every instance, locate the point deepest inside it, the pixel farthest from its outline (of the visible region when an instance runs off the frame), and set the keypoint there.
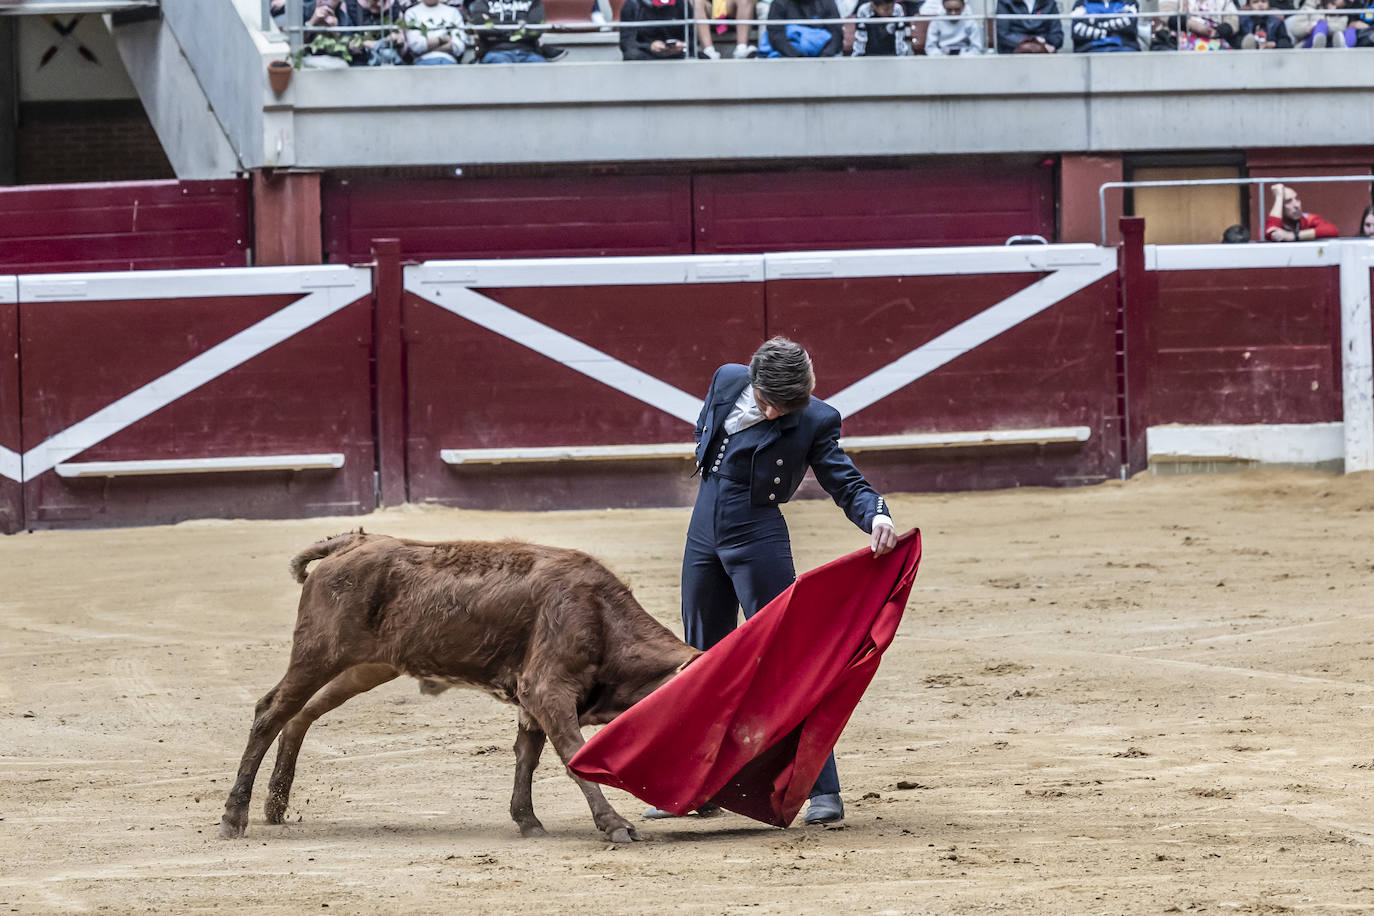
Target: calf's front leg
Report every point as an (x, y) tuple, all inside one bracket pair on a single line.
[(555, 710)]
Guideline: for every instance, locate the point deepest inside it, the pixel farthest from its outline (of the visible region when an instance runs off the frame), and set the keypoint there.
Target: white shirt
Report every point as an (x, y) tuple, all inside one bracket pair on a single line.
[(746, 413)]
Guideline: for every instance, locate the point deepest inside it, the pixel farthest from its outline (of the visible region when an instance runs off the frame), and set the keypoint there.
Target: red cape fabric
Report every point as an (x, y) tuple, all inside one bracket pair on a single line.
[(749, 724)]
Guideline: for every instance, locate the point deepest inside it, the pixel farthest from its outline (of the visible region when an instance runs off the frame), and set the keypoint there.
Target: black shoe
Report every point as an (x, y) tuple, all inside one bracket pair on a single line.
[(825, 809), (553, 53)]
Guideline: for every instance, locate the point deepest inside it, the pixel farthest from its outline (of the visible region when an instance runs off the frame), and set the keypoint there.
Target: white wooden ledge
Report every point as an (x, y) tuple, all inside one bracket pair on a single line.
[(1048, 436), (331, 461)]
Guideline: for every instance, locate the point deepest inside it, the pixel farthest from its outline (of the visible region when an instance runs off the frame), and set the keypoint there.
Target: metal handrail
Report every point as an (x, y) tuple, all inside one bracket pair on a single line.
[(1203, 182)]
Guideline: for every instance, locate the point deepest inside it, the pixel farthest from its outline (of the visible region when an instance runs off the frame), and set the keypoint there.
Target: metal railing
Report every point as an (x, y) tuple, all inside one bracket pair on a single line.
[(1206, 182), (295, 26)]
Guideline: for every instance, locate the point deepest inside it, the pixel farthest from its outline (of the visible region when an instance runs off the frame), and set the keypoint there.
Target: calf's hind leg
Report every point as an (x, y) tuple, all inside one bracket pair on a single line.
[(277, 706), (346, 686), (529, 744)]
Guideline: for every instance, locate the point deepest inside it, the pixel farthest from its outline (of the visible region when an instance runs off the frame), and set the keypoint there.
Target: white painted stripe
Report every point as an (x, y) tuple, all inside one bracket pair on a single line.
[(9, 290), (1244, 257), (559, 347), (1281, 443), (619, 271), (969, 334), (189, 376), (185, 284), (930, 262), (1357, 357), (11, 465), (149, 467)]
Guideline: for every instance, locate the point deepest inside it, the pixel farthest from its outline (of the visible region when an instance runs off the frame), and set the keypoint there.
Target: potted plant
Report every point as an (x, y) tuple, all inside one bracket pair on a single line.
[(279, 75)]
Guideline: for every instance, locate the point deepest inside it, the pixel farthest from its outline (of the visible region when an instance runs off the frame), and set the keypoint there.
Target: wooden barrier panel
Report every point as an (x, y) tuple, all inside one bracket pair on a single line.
[(940, 342), (577, 352), (743, 212), (157, 396), (997, 364), (516, 218), (1246, 338), (127, 225), (11, 447)]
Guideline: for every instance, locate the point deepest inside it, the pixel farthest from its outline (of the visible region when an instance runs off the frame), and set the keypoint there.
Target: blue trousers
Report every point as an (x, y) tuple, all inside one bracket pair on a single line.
[(738, 556)]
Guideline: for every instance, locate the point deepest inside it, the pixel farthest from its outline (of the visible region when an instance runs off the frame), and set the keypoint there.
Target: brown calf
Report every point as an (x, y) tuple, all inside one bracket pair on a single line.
[(548, 629)]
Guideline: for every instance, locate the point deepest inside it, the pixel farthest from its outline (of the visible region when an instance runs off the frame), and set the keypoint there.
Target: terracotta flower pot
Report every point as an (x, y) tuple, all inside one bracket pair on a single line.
[(279, 75)]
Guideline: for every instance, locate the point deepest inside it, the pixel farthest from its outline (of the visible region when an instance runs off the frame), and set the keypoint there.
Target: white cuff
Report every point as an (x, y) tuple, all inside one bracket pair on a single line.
[(883, 520)]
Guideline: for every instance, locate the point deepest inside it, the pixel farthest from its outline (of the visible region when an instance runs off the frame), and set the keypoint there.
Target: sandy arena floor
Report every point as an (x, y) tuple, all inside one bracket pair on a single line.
[(1148, 698)]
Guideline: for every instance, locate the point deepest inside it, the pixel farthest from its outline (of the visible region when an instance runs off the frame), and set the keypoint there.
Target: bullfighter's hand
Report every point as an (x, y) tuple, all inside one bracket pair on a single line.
[(884, 538)]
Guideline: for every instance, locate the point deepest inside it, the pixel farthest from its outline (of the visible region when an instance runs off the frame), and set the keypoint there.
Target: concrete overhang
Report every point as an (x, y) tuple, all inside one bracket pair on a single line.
[(666, 111), (76, 7)]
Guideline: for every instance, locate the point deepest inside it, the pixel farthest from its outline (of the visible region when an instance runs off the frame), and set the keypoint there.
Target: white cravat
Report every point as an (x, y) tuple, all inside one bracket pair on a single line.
[(745, 413)]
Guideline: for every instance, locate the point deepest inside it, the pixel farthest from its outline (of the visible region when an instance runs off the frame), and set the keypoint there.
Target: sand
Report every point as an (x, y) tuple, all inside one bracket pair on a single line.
[(1143, 697)]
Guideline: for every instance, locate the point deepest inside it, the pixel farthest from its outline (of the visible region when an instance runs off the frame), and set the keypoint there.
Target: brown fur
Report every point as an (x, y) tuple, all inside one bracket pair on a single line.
[(548, 629)]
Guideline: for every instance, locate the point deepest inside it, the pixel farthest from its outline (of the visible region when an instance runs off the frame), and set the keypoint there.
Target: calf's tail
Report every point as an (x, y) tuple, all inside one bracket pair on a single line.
[(321, 549)]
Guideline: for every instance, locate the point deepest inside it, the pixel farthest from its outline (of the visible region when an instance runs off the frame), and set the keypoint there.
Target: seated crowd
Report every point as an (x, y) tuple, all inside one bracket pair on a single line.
[(428, 32), (421, 32)]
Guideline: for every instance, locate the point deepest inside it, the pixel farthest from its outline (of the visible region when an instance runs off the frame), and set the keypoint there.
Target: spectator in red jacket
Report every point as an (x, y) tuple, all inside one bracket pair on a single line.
[(1287, 222)]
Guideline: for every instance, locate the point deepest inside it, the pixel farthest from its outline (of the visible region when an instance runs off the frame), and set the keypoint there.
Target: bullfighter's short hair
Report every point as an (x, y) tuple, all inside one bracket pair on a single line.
[(781, 371)]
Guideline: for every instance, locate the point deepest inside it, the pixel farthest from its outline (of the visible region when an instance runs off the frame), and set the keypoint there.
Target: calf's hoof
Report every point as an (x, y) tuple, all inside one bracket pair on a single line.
[(231, 828), (535, 829), (624, 835), (274, 809)]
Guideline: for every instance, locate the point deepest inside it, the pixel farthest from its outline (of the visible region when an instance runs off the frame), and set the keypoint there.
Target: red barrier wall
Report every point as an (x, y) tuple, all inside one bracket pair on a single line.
[(1055, 369), (136, 225), (906, 208), (1258, 345), (11, 446), (509, 218), (682, 214), (308, 394), (472, 388)]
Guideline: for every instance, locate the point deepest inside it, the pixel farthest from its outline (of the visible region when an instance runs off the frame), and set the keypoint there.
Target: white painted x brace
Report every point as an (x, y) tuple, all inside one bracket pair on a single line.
[(325, 290), (449, 285)]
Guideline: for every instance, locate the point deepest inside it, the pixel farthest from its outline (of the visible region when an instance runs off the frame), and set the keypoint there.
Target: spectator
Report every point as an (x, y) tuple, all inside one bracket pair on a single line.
[(1203, 25), (1287, 222), (654, 42), (1367, 223), (886, 39), (1236, 235), (954, 33), (325, 50), (1030, 35), (798, 40), (1105, 25), (434, 33), (1321, 24), (513, 44), (707, 10), (382, 48), (1258, 29)]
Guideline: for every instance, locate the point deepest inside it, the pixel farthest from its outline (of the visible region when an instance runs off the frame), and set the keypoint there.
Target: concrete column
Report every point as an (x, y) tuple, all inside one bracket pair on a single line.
[(286, 218), (1357, 357)]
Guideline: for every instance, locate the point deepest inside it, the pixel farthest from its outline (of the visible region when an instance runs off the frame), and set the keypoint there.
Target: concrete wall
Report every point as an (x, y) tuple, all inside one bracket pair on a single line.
[(823, 108), (213, 52), (200, 73)]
